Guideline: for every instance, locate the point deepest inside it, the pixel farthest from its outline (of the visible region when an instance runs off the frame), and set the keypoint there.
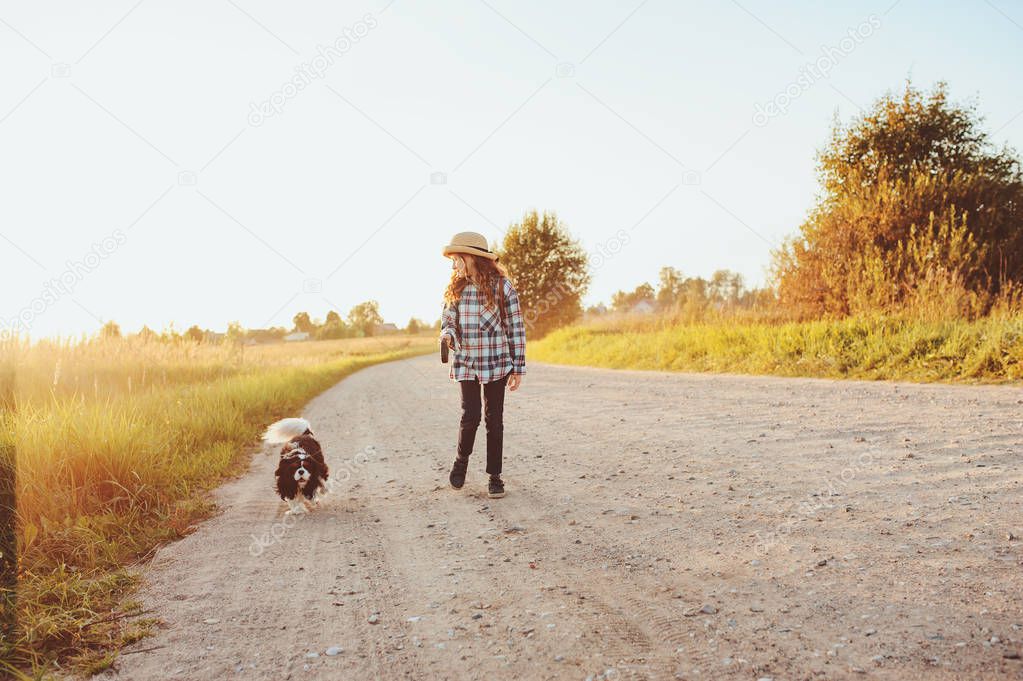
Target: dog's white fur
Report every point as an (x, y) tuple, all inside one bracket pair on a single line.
[(285, 429), (300, 505)]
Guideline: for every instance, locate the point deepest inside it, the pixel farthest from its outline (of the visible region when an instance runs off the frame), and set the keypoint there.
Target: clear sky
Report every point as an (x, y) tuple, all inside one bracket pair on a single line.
[(141, 172)]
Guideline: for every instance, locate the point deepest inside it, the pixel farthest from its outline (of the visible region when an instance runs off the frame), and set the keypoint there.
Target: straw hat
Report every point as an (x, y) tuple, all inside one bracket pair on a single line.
[(471, 243)]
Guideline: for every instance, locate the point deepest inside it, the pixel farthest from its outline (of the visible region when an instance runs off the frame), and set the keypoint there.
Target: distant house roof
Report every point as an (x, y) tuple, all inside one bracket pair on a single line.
[(643, 307), (386, 327), (297, 336)]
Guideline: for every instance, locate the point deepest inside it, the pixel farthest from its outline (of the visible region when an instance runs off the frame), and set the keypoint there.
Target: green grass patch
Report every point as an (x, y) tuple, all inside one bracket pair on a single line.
[(986, 350)]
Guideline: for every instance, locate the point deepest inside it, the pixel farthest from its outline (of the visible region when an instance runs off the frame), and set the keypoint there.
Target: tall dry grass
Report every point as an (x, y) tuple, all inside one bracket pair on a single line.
[(109, 446)]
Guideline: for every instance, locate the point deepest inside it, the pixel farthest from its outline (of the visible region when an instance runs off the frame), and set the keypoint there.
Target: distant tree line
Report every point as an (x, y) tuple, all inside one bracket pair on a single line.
[(363, 320), (688, 298)]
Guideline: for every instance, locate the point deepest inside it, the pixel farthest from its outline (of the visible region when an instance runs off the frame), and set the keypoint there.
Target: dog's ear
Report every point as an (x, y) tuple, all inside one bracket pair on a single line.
[(314, 449), (287, 486), (317, 456), (317, 476)]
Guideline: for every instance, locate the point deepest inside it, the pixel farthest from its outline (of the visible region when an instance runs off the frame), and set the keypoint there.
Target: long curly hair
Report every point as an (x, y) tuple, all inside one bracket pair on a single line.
[(483, 272)]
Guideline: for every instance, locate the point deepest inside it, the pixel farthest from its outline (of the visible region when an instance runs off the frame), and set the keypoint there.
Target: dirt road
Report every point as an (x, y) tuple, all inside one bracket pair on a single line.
[(656, 526)]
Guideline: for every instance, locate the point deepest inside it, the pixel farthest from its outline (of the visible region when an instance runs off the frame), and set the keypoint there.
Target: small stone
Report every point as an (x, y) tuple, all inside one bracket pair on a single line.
[(312, 655), (704, 610), (415, 618), (333, 651), (477, 616), (212, 620), (559, 658), (374, 618)]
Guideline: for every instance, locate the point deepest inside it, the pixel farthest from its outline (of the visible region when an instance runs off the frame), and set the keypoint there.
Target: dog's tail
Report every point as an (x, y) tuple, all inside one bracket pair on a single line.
[(285, 429)]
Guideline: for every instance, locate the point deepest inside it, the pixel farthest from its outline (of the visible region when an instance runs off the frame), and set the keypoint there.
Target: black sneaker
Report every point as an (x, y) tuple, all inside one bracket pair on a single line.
[(457, 477), (495, 490)]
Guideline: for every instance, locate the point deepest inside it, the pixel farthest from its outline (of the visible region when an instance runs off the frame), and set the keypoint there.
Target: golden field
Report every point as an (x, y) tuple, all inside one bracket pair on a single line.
[(109, 446)]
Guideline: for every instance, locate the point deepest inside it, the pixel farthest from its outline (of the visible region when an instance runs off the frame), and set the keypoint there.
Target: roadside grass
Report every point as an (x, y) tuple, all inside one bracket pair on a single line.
[(987, 350), (110, 447)]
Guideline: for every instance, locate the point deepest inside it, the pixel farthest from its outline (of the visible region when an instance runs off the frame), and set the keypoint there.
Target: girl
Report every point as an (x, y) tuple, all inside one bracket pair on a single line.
[(482, 323)]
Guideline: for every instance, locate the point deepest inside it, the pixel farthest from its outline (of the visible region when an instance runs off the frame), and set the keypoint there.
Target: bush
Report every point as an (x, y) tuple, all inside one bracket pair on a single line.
[(917, 208)]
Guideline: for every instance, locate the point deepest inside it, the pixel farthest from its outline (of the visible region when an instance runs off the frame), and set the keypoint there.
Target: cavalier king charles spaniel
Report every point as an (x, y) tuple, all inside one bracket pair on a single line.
[(302, 473)]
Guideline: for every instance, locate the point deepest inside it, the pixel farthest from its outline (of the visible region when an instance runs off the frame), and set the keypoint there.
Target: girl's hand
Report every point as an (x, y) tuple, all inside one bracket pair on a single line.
[(514, 381), (450, 340)]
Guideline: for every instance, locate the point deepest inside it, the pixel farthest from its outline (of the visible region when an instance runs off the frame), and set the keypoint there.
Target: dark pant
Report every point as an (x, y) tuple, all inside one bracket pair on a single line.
[(493, 410)]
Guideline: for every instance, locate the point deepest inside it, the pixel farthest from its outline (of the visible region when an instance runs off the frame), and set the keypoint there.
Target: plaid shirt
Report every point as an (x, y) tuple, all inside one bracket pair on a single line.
[(485, 349)]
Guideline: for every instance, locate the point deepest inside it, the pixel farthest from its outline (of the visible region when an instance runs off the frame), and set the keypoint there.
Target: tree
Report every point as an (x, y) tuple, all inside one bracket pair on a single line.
[(915, 204), (365, 317), (303, 323), (669, 287), (726, 287), (623, 302), (333, 329), (235, 333), (110, 330), (550, 271), (414, 326), (195, 334)]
